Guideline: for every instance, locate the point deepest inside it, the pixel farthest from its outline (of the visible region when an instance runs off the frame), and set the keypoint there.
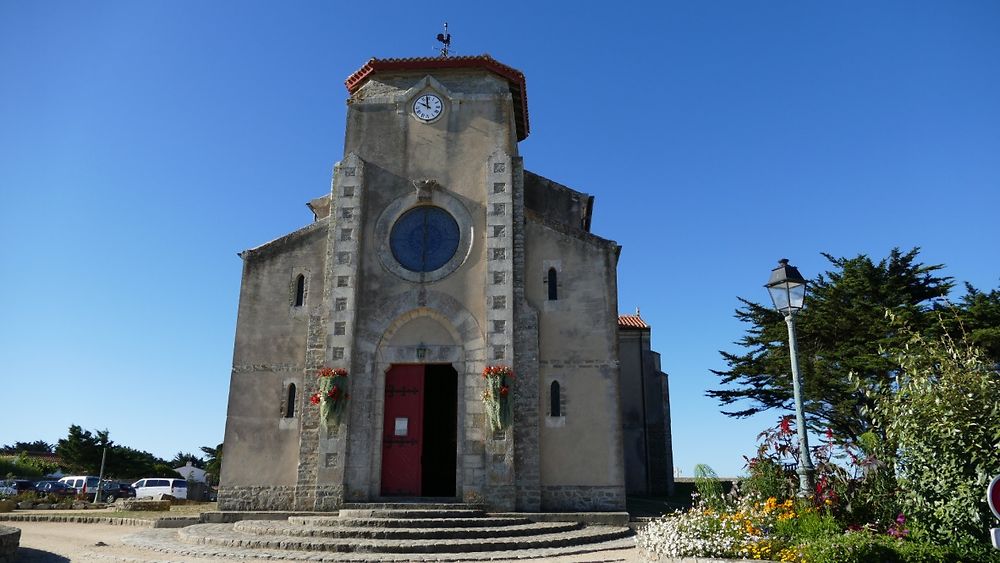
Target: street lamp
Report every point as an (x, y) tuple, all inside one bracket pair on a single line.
[(788, 290)]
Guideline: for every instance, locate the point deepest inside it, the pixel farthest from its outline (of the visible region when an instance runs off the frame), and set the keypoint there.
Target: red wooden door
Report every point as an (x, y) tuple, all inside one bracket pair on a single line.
[(402, 430)]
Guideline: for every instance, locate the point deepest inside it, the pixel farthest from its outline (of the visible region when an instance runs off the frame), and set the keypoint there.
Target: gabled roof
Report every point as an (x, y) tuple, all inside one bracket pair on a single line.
[(514, 77), (631, 321)]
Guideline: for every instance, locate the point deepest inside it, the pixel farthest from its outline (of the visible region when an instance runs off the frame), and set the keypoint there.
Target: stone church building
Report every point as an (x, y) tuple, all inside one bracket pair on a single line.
[(435, 255)]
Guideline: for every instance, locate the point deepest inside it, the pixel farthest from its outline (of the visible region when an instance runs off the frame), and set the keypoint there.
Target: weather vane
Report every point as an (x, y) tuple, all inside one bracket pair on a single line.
[(445, 39)]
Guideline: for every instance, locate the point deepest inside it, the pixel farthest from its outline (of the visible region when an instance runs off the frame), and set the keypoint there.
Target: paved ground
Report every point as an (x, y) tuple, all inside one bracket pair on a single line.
[(48, 542)]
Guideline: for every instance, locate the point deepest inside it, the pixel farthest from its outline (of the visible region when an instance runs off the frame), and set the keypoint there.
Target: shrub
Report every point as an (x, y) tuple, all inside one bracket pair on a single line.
[(944, 414), (709, 487), (855, 547)]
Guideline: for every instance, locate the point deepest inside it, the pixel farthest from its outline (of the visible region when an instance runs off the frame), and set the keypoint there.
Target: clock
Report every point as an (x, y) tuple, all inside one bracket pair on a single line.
[(427, 107)]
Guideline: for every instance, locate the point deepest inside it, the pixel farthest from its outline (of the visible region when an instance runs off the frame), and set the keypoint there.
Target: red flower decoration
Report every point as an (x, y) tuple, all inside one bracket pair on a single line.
[(331, 372), (314, 399), (786, 425), (504, 390), (498, 371)]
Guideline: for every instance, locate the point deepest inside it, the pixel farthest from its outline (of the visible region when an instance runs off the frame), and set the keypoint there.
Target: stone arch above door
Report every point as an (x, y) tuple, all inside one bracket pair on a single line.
[(381, 343)]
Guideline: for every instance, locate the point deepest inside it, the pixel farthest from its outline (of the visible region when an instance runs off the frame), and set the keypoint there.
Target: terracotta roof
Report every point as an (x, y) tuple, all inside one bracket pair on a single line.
[(515, 78), (631, 321)]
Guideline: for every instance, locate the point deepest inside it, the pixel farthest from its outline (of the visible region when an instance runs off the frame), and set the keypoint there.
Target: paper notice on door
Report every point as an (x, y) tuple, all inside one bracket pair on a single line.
[(402, 424)]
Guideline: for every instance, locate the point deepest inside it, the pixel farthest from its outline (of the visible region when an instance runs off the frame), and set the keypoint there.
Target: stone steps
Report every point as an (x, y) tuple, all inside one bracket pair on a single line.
[(488, 520), (397, 532), (443, 530), (166, 543), (409, 513), (225, 536)]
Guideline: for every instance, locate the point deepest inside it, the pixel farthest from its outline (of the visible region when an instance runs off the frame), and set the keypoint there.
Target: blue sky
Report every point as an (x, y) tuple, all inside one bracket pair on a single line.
[(143, 144)]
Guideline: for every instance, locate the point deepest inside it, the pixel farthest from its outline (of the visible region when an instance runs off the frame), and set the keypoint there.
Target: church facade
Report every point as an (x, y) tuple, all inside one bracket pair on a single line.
[(435, 256)]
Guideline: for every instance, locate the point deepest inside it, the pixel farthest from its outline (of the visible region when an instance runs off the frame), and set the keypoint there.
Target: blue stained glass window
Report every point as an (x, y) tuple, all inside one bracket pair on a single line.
[(424, 238)]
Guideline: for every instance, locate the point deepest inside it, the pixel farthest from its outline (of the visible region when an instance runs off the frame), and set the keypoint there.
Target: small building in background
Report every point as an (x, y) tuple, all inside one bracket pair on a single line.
[(192, 473), (645, 406)]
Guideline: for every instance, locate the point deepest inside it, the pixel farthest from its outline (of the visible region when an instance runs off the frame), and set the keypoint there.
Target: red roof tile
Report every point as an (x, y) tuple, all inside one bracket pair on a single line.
[(514, 77), (631, 321)]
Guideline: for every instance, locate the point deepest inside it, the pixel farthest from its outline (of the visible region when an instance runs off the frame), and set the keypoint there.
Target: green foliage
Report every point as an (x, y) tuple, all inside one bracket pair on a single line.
[(213, 463), (36, 447), (808, 525), (767, 478), (842, 330), (181, 458), (866, 547), (26, 467), (977, 316), (869, 497), (709, 487), (81, 451), (944, 415)]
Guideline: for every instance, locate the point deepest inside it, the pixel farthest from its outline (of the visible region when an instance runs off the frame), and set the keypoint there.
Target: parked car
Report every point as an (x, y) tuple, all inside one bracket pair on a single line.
[(13, 487), (82, 483), (149, 487), (113, 491), (7, 489), (24, 485), (55, 488)]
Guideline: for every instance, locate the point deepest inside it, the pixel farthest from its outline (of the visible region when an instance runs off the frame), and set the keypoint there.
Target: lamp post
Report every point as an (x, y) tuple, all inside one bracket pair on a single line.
[(788, 290)]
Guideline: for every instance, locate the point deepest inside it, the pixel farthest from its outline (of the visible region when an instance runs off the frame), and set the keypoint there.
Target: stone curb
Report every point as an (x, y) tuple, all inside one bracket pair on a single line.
[(80, 520)]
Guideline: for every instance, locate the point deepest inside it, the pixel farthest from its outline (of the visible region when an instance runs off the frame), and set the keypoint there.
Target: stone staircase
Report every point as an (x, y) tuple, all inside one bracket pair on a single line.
[(387, 532)]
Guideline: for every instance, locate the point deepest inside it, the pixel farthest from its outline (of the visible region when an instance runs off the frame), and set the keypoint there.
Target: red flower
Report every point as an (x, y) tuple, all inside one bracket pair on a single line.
[(504, 390), (332, 393), (786, 425), (314, 399), (331, 372)]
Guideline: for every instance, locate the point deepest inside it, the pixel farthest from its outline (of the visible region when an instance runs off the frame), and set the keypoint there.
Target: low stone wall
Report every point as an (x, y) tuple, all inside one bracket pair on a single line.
[(74, 519), (256, 498), (7, 505), (10, 538), (141, 505), (582, 499)]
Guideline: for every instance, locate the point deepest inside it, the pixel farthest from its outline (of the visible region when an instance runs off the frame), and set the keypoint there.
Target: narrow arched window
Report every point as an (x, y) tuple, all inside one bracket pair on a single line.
[(553, 282), (290, 405), (300, 290), (554, 399)]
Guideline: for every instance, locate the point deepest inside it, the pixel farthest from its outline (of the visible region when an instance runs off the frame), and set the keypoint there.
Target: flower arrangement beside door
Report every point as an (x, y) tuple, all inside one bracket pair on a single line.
[(332, 396), (497, 395)]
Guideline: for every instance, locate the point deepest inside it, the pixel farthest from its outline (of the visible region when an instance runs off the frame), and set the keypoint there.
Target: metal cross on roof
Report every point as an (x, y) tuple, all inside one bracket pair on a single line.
[(445, 39)]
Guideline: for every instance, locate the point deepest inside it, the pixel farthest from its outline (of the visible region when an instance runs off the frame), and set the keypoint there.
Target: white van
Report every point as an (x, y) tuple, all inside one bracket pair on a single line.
[(82, 483), (177, 488)]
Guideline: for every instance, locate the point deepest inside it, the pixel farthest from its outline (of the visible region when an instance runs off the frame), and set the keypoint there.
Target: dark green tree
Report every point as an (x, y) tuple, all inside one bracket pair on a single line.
[(843, 329), (213, 463), (977, 317), (181, 458), (125, 463), (36, 447), (80, 451)]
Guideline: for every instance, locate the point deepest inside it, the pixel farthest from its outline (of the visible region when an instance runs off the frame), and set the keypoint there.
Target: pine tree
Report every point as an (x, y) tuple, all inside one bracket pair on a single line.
[(843, 329)]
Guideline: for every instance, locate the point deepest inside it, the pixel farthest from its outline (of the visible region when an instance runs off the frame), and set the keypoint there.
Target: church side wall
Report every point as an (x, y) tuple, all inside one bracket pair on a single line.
[(269, 355), (581, 449)]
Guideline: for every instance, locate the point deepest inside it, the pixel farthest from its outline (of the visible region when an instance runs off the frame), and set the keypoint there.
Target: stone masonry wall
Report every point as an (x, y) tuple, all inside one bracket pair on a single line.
[(582, 498), (526, 401), (500, 483)]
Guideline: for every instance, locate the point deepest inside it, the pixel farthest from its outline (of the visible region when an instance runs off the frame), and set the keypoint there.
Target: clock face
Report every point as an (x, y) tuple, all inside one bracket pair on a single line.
[(427, 107)]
